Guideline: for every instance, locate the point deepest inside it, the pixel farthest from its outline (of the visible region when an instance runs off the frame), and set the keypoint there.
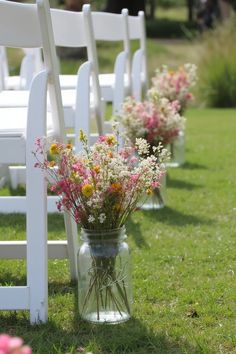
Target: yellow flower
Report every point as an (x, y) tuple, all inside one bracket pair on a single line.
[(52, 163), (149, 191), (110, 139), (96, 169), (82, 136), (118, 207), (69, 146), (87, 190), (110, 154), (75, 177), (116, 187), (54, 149)]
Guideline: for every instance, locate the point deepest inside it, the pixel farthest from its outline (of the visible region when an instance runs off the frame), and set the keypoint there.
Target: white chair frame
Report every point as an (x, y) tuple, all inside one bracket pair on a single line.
[(113, 28), (139, 74), (31, 63), (35, 30)]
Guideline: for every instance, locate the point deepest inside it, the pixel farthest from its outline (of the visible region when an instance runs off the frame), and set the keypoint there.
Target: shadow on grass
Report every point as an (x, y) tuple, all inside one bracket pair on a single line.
[(134, 231), (9, 279), (193, 166), (177, 183), (171, 216), (55, 222), (130, 337), (62, 288)]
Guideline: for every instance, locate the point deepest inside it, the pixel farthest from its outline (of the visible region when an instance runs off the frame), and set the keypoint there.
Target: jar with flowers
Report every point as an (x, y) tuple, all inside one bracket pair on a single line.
[(100, 187), (157, 120), (176, 86)]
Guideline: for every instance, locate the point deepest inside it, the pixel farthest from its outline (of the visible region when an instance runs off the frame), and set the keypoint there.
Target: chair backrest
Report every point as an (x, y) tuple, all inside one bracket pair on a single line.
[(32, 28), (30, 64), (111, 27), (3, 61), (102, 26), (75, 35), (137, 31), (4, 69)]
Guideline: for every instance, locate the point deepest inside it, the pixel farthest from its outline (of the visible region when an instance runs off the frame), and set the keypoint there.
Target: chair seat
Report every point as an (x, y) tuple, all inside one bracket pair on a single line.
[(14, 98), (18, 100), (14, 83), (106, 81), (13, 122), (12, 134), (70, 81)]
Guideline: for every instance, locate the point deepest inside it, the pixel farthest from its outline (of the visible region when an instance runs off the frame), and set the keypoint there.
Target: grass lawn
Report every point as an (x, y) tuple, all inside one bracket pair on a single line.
[(184, 262)]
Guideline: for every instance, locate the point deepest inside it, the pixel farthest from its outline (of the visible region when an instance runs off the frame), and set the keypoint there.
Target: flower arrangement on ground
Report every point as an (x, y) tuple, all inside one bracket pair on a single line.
[(100, 188), (158, 121), (175, 85), (13, 345)]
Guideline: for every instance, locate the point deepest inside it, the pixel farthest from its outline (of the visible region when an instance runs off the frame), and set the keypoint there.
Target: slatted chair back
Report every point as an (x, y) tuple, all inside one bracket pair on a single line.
[(139, 73)]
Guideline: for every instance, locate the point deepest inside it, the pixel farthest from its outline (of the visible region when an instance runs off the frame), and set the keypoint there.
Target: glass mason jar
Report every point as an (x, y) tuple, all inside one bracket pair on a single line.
[(177, 150), (157, 199), (104, 276)]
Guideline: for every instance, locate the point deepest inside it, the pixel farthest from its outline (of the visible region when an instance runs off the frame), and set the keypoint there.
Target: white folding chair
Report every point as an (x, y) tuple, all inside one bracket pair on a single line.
[(30, 64), (139, 75), (76, 35), (80, 33), (29, 25), (73, 36), (113, 28)]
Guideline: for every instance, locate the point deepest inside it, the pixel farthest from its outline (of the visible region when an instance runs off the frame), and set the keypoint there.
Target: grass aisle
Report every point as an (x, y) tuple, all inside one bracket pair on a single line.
[(184, 262)]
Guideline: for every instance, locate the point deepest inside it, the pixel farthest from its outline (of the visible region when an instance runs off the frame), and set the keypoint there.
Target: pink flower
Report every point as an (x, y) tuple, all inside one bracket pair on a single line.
[(189, 96), (102, 139), (156, 184), (134, 178), (13, 345)]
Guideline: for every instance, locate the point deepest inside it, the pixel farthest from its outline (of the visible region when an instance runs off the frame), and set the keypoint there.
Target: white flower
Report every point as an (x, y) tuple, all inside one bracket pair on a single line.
[(102, 218), (142, 146), (91, 218)]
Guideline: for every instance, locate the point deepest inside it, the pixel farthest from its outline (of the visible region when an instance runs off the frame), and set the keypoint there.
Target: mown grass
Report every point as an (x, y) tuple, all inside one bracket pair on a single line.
[(184, 262)]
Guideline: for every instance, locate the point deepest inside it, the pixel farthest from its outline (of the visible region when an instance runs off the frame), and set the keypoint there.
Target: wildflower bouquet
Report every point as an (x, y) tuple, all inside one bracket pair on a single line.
[(175, 85), (100, 188), (156, 120)]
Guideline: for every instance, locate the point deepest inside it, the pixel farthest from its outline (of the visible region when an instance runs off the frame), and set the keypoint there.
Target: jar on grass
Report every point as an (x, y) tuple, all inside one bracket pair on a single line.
[(104, 276)]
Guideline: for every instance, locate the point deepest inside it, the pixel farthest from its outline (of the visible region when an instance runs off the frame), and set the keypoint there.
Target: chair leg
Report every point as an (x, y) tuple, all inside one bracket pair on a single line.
[(4, 175), (37, 252), (72, 244), (36, 205)]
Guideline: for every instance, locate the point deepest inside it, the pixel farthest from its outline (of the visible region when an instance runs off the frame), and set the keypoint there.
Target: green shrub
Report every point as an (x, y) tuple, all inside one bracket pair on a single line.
[(168, 28), (217, 68)]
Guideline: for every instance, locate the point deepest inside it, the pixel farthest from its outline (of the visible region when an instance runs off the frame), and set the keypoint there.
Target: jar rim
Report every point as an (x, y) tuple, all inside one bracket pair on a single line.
[(103, 235)]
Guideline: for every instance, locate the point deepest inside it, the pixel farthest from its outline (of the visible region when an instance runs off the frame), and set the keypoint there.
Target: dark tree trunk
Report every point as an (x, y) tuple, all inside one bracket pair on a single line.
[(75, 5), (150, 9), (134, 6), (190, 10)]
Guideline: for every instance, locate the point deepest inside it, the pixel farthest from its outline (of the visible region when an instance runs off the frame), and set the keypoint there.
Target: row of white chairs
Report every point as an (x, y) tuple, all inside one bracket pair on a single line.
[(121, 28), (39, 112), (128, 78)]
